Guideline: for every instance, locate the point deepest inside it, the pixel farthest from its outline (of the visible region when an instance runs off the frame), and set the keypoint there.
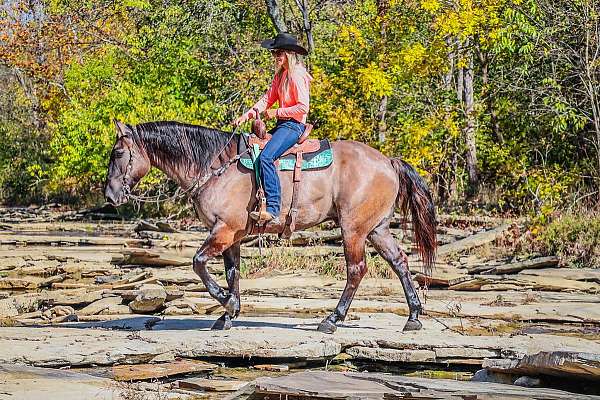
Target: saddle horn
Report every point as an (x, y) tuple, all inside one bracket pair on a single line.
[(258, 126)]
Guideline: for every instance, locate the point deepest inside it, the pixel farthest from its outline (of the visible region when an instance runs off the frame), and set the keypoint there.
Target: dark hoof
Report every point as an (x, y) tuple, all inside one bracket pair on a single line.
[(412, 325), (327, 327), (222, 324), (232, 306)]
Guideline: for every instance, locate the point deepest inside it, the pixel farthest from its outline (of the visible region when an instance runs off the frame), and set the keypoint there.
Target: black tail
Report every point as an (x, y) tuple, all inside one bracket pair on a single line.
[(414, 195)]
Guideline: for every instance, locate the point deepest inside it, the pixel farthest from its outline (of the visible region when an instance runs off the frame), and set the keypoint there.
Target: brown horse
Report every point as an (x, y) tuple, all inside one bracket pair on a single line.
[(359, 191)]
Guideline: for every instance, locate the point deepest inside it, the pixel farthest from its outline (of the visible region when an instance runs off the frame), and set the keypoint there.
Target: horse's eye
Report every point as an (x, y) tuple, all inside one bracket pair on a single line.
[(119, 153)]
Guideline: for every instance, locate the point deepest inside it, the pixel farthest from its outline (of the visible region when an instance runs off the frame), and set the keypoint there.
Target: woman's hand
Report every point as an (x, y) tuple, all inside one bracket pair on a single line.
[(271, 113), (240, 120)]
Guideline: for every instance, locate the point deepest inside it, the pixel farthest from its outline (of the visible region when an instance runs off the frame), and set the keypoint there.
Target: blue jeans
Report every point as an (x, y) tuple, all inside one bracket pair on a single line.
[(285, 135)]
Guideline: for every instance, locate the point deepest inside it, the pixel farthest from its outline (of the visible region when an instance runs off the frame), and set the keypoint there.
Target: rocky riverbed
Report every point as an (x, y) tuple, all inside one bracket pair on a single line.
[(89, 305)]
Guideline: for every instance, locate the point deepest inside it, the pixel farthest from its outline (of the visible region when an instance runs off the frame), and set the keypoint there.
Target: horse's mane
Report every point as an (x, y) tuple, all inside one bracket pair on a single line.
[(177, 144)]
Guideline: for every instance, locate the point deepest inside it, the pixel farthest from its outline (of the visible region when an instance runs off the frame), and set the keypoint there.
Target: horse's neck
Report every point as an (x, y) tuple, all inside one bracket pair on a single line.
[(185, 176)]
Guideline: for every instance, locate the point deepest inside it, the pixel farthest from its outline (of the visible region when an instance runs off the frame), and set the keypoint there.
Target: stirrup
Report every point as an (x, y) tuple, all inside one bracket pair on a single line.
[(263, 216)]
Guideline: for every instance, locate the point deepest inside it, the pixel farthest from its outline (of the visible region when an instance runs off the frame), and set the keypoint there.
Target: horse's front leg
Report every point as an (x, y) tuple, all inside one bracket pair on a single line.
[(231, 259), (220, 239)]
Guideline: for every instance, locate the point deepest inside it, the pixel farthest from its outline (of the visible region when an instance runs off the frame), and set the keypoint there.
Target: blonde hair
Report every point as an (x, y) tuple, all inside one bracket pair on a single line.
[(294, 61)]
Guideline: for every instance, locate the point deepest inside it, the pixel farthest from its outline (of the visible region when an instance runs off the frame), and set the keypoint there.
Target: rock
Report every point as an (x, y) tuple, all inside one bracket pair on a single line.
[(116, 309), (8, 308), (58, 311), (212, 385), (172, 310), (165, 227), (391, 355), (64, 318), (30, 383), (149, 258), (272, 367), (153, 371), (536, 263), (374, 386), (100, 305), (150, 299), (485, 375), (555, 363), (145, 226), (527, 381)]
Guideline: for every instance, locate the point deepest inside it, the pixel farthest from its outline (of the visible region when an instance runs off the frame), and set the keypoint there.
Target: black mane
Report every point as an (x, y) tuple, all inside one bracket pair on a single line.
[(177, 144)]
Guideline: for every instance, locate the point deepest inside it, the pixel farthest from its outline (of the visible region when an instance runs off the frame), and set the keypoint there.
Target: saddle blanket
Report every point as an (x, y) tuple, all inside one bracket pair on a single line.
[(322, 158)]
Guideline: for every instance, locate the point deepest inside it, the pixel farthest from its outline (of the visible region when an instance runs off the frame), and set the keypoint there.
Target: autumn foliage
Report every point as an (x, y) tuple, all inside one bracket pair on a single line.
[(496, 102)]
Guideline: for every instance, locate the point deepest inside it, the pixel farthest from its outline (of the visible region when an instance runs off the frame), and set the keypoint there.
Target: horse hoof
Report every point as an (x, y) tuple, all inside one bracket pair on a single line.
[(412, 325), (327, 327), (222, 324), (232, 306)]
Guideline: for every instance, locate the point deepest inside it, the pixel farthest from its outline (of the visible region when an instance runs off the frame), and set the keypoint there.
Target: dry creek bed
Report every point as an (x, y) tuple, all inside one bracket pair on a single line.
[(114, 309)]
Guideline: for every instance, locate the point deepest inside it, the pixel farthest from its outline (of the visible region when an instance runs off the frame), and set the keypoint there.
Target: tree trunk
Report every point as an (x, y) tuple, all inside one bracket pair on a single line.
[(382, 9), (381, 125), (487, 95), (276, 16), (469, 130), (306, 24)]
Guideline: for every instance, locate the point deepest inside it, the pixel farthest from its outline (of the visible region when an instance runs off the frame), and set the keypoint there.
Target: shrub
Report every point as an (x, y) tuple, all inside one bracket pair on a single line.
[(573, 238)]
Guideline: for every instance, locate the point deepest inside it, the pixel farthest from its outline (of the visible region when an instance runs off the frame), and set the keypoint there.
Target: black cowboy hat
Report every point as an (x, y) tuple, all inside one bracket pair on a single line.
[(284, 41)]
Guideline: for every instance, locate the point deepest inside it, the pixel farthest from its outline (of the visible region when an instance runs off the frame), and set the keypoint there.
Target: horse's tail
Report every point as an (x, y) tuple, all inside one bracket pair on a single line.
[(414, 195)]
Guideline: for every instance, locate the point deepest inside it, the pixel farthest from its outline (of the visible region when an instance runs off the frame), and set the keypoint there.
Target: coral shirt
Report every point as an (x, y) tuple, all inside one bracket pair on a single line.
[(293, 102)]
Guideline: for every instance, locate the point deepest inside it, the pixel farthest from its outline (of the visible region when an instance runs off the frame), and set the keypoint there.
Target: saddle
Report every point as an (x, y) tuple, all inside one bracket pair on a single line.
[(306, 154)]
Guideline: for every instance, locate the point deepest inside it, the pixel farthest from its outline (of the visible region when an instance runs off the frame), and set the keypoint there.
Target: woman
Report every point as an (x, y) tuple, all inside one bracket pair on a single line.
[(290, 88)]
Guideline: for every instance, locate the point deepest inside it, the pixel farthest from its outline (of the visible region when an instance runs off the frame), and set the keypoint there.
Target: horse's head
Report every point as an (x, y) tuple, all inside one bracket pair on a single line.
[(128, 164)]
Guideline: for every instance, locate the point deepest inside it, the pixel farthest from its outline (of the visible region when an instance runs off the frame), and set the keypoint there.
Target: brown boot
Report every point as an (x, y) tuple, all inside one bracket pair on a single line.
[(262, 216)]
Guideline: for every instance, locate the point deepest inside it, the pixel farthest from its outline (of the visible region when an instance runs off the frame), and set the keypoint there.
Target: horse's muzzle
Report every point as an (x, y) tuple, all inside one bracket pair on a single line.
[(116, 199)]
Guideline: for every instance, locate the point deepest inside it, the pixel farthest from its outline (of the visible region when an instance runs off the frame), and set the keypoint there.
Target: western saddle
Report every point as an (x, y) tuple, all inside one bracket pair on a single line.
[(304, 145)]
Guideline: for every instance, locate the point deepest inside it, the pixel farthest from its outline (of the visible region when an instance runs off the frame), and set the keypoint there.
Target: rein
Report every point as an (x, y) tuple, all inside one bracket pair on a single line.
[(199, 181)]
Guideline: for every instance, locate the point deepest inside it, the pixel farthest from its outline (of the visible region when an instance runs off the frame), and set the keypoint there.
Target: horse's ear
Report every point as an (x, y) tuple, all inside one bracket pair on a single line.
[(121, 128)]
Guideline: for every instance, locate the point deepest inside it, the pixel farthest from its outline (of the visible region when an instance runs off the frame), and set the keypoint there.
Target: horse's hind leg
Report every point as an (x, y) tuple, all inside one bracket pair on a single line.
[(356, 268), (220, 239), (231, 259), (388, 248)]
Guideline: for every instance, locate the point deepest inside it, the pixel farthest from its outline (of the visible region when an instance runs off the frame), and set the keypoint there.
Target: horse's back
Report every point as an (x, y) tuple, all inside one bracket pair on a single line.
[(366, 183)]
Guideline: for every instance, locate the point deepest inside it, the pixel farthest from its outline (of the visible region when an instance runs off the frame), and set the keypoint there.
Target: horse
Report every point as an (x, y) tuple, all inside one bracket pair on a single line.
[(359, 192)]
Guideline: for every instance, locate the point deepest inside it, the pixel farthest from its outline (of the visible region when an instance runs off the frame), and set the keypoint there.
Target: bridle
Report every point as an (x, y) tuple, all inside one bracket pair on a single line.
[(193, 189)]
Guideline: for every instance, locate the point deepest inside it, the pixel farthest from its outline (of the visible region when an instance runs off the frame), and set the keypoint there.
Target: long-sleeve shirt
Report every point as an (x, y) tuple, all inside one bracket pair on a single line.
[(293, 102)]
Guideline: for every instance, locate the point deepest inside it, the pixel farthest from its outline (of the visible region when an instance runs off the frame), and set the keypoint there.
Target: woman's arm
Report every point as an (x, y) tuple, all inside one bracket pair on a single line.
[(267, 100)]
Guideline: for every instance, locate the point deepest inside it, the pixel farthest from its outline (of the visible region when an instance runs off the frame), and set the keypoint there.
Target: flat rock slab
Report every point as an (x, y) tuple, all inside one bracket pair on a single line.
[(142, 372), (211, 385), (335, 385), (30, 383), (373, 337), (559, 363)]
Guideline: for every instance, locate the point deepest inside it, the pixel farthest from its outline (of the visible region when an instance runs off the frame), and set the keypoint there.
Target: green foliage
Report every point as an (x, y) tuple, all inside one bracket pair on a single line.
[(200, 62)]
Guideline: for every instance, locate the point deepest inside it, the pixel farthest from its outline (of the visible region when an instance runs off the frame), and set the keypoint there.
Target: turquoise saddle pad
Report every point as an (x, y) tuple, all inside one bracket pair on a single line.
[(321, 158)]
